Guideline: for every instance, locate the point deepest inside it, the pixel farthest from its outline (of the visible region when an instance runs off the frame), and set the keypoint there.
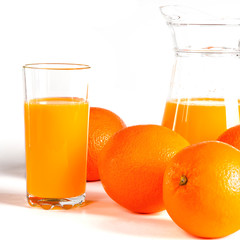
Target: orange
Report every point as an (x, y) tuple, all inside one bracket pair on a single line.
[(132, 164), (231, 136), (102, 125), (201, 189)]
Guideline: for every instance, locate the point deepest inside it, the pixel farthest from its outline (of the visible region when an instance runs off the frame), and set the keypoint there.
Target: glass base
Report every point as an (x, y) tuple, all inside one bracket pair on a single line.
[(55, 203)]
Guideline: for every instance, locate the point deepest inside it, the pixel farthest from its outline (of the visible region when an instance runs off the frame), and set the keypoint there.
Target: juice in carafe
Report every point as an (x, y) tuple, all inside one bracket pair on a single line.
[(198, 119)]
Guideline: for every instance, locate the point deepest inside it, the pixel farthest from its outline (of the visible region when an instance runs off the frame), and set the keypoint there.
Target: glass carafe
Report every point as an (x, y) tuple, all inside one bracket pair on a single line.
[(205, 88)]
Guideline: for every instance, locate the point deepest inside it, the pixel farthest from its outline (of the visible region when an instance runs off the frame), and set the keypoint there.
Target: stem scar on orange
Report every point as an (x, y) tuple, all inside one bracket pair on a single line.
[(201, 189), (132, 164)]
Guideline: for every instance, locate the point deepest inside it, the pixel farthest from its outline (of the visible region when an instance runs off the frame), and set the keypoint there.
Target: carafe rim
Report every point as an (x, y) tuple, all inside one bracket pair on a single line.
[(181, 15)]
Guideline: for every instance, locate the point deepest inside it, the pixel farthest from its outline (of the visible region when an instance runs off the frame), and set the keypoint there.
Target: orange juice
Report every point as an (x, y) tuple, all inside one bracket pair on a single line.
[(56, 132), (198, 119)]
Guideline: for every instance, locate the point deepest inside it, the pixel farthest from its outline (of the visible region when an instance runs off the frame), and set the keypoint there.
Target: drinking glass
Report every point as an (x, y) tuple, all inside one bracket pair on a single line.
[(56, 113), (204, 93)]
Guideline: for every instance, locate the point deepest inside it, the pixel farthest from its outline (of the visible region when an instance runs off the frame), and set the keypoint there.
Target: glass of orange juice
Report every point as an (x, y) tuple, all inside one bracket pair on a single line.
[(204, 97), (56, 112)]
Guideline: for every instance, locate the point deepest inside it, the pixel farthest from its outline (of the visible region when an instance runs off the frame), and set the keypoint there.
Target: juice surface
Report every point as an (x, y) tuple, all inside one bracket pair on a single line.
[(198, 119), (56, 131)]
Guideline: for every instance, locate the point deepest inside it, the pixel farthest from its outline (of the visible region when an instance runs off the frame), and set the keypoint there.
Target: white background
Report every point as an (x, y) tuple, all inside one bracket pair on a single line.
[(129, 48)]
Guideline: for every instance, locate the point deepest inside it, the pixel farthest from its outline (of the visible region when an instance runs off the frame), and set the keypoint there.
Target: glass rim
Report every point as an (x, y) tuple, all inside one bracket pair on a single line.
[(56, 66)]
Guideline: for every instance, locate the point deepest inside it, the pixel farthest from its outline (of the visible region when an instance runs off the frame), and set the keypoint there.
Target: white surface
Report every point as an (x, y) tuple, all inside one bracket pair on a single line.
[(101, 218), (129, 48)]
